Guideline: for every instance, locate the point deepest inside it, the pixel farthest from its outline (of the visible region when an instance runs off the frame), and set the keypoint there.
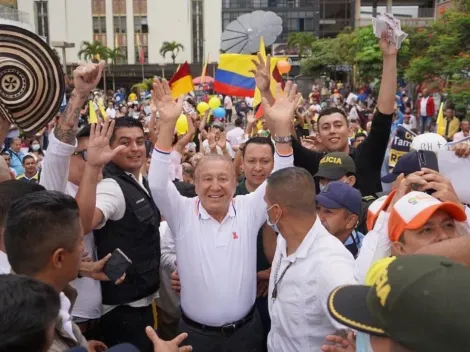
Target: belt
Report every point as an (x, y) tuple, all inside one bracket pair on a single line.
[(88, 325), (226, 329)]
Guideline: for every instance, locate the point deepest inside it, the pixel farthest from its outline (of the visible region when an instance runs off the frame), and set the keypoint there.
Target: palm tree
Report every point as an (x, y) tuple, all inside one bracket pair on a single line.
[(302, 41), (93, 52), (114, 55), (171, 47)]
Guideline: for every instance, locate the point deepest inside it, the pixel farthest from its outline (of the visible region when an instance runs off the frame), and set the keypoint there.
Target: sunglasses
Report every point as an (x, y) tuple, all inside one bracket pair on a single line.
[(83, 153)]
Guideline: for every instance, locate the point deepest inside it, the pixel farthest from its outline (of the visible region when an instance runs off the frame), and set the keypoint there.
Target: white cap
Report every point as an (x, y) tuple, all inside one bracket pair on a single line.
[(413, 210), (429, 141)]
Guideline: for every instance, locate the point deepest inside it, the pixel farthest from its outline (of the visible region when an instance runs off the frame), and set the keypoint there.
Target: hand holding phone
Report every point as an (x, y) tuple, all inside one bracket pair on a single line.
[(117, 265)]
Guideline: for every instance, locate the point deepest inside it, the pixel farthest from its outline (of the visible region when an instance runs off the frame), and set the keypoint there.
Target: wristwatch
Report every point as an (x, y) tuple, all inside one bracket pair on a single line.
[(282, 140)]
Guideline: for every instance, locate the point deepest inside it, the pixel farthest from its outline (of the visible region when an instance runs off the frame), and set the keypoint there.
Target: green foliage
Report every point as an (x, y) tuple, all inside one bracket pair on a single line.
[(171, 47), (94, 51), (303, 41), (146, 85), (114, 55)]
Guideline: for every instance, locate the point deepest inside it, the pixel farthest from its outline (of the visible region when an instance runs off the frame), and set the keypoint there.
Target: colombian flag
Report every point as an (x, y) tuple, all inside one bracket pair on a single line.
[(181, 82), (233, 76)]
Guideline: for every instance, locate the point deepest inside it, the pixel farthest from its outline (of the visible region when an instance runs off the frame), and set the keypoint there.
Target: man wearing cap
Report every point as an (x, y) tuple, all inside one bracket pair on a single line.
[(336, 166), (411, 303), (339, 207)]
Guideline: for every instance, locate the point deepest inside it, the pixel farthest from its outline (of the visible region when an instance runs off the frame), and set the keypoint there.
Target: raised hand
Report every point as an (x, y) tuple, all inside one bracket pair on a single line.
[(282, 110), (168, 109), (222, 142), (387, 48), (99, 151), (262, 72), (86, 77), (211, 140), (250, 118)]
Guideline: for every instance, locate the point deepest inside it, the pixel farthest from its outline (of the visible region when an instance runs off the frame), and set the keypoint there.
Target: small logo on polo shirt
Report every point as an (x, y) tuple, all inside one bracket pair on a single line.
[(140, 201), (235, 236)]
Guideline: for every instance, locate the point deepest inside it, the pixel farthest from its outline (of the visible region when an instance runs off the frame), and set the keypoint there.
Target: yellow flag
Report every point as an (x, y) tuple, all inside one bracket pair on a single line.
[(441, 124), (102, 110), (204, 70), (274, 61), (92, 118)]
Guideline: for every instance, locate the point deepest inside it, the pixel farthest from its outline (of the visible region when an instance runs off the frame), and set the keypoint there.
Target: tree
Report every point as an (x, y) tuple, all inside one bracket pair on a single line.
[(93, 52), (171, 47), (322, 59), (114, 55), (302, 41)]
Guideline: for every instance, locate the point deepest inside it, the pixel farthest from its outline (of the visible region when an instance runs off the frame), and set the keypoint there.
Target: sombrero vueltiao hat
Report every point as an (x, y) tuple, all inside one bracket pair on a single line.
[(32, 82)]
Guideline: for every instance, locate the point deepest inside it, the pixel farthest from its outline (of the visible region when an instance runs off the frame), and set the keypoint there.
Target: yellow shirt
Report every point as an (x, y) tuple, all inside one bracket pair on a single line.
[(453, 127)]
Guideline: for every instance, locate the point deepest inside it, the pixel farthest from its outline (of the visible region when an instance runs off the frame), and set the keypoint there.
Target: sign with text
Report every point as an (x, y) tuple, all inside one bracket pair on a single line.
[(401, 143)]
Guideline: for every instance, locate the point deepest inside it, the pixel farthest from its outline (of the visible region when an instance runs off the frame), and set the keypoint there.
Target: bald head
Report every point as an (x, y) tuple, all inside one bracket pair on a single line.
[(292, 188)]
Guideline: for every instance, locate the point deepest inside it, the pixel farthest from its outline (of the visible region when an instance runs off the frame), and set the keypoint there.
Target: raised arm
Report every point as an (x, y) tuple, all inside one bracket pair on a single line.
[(388, 87), (164, 192), (62, 140)]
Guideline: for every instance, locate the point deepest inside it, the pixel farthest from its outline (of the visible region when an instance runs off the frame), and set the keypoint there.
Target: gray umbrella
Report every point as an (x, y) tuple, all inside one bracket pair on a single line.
[(243, 35)]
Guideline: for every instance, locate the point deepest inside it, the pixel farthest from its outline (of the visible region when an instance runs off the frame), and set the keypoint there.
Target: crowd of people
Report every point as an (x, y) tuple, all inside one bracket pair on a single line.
[(278, 233)]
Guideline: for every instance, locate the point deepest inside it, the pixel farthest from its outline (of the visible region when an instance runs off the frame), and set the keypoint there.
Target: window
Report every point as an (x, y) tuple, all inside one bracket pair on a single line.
[(198, 30), (42, 19), (120, 24), (140, 7), (98, 7)]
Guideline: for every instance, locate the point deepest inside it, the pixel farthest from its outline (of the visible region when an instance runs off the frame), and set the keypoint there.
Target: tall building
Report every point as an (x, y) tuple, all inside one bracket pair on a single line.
[(324, 18), (131, 25)]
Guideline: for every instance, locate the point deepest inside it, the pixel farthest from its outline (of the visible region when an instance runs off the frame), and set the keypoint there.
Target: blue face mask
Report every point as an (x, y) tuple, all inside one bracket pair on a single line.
[(273, 225), (363, 342)]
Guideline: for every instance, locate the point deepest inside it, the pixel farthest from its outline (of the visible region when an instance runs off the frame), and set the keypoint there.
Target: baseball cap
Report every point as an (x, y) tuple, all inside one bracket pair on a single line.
[(338, 195), (419, 301), (407, 164), (335, 165), (413, 210), (374, 209)]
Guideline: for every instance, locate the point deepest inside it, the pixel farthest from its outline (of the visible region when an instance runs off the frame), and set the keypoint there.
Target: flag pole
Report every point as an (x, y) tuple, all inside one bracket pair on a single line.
[(143, 72)]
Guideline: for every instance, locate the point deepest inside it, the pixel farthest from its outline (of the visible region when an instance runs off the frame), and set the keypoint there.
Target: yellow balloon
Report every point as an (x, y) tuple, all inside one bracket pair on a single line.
[(202, 107), (214, 103), (182, 125), (132, 97)]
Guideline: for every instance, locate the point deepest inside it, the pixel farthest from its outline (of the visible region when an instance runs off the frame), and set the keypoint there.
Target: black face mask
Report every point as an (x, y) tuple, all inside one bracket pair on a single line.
[(353, 248)]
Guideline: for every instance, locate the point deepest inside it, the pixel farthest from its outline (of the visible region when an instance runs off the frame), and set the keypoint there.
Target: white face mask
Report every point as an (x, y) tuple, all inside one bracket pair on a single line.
[(363, 342), (36, 147), (323, 187)]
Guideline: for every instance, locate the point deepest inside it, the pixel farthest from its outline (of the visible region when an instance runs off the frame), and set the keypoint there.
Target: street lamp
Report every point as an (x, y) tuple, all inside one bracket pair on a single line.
[(63, 46)]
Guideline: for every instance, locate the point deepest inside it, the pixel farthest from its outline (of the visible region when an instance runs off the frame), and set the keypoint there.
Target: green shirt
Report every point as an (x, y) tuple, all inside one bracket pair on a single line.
[(262, 262)]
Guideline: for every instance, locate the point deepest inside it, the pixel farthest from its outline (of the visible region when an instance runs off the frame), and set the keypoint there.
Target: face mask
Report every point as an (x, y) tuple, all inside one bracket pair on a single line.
[(36, 147), (273, 225), (363, 342), (322, 187)]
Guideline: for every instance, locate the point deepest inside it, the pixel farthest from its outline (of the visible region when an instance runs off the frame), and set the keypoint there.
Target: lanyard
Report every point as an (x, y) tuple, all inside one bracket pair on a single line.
[(276, 281)]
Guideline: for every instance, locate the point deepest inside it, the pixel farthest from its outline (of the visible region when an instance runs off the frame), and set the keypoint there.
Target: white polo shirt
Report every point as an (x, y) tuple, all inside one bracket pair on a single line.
[(216, 261), (299, 315)]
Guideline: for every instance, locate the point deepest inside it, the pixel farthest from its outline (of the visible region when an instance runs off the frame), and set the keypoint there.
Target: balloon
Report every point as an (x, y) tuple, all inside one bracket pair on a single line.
[(219, 113), (182, 125), (202, 107), (132, 97), (214, 103), (283, 67)]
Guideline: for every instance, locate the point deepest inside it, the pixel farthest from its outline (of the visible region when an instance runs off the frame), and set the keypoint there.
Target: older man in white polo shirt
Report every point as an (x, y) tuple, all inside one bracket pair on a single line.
[(215, 234)]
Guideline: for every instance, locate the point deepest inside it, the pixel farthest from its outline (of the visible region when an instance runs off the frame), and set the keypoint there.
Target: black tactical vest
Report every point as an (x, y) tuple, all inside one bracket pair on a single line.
[(137, 235)]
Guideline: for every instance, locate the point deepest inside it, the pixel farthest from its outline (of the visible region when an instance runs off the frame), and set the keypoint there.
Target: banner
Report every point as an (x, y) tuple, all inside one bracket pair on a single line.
[(401, 143)]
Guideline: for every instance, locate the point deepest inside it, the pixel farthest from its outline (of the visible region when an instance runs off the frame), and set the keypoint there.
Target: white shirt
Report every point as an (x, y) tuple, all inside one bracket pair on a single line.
[(168, 300), (54, 177), (299, 315), (5, 267), (216, 261), (65, 317), (459, 136), (111, 113), (228, 104), (207, 148), (235, 136), (110, 200), (424, 103)]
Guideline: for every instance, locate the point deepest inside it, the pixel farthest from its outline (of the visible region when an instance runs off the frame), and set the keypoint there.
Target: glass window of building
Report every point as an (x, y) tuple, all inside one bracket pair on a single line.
[(120, 28), (42, 19), (98, 12), (197, 10), (140, 30)]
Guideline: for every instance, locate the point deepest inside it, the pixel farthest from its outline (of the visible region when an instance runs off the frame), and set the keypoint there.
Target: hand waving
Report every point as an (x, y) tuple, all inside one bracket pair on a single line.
[(168, 109), (262, 72), (387, 48), (99, 151), (86, 77), (222, 142), (282, 111), (211, 140), (250, 118), (167, 346)]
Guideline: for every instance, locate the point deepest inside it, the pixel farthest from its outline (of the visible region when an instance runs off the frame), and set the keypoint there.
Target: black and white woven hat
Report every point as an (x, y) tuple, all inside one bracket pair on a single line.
[(32, 82)]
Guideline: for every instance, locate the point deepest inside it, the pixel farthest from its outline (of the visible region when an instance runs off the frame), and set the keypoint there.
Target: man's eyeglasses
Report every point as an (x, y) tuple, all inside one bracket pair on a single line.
[(83, 153)]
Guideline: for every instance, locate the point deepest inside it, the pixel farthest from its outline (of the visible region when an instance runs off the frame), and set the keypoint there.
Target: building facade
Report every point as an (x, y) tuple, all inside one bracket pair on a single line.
[(131, 25)]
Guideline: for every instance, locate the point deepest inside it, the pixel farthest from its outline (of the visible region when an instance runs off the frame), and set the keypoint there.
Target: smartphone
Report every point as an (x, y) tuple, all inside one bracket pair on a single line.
[(117, 265), (428, 159)]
